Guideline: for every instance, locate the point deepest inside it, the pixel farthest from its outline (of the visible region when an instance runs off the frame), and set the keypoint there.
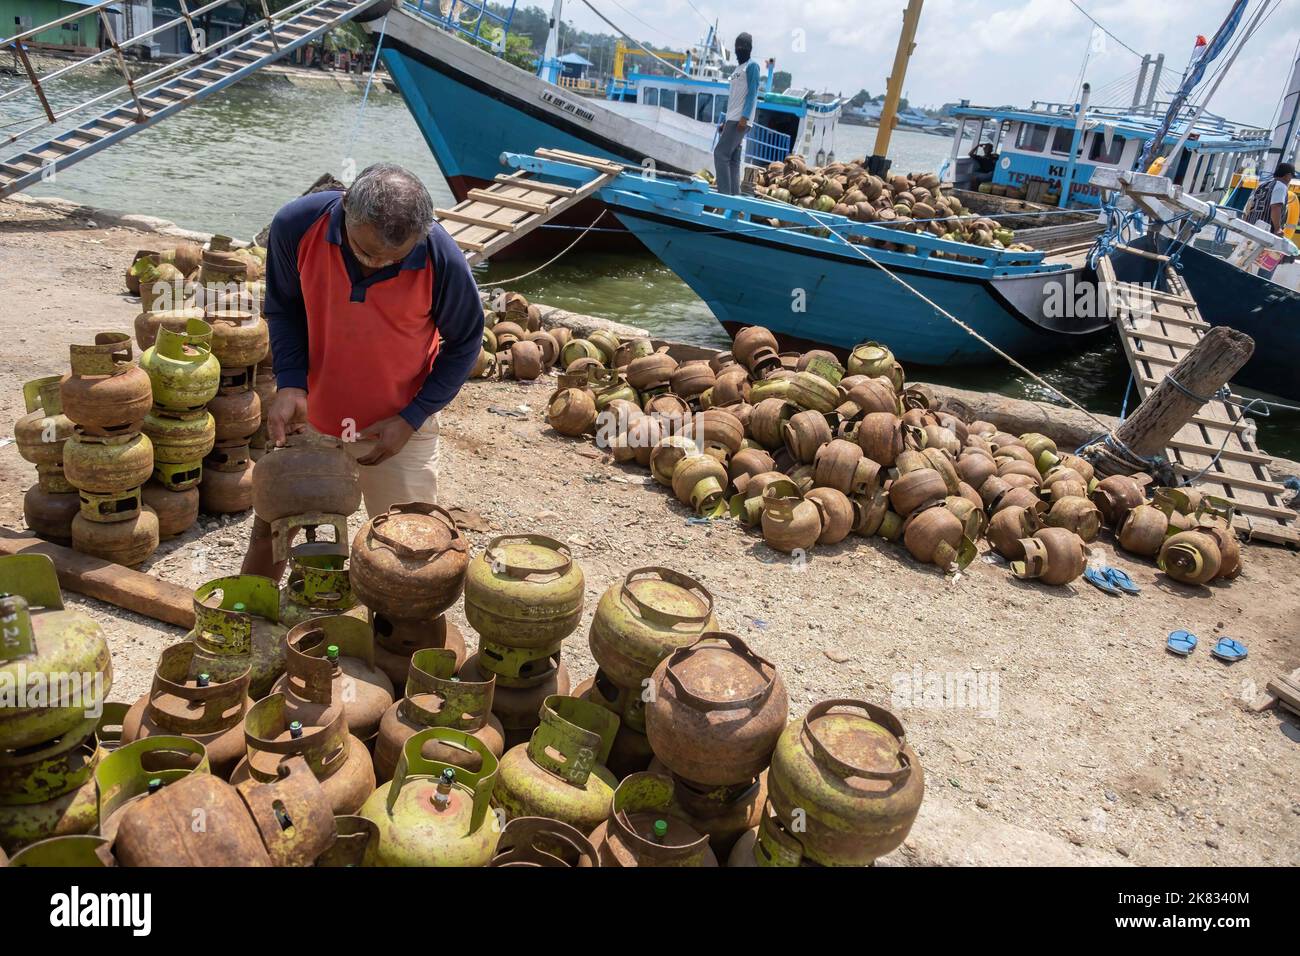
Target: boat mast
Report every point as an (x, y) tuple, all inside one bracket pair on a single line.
[(1284, 137), (894, 92), (549, 68)]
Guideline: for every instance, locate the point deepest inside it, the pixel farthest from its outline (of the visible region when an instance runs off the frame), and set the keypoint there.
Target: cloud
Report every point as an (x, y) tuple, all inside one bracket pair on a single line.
[(988, 51)]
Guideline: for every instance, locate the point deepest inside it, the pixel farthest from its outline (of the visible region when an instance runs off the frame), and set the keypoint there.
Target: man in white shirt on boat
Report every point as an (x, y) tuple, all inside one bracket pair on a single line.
[(1269, 207), (742, 102)]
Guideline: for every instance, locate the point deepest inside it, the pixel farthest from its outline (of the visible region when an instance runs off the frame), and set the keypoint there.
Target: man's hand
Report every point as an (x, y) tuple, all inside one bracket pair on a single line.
[(743, 124), (286, 415), (391, 436)]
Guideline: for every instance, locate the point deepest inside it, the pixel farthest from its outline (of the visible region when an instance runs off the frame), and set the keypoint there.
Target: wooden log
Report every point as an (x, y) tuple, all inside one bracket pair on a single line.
[(1219, 355), (105, 581)]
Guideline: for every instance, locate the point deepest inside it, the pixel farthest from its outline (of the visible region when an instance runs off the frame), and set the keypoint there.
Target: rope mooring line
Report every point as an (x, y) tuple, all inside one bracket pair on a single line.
[(558, 256)]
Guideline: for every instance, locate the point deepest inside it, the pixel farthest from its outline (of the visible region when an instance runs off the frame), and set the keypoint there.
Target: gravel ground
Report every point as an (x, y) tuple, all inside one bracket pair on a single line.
[(1083, 741)]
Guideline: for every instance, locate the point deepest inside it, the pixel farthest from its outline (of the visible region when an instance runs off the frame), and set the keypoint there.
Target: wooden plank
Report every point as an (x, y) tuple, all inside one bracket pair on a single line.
[(509, 202), (1237, 481), (105, 581), (1228, 453), (1142, 253), (538, 187), (457, 216)]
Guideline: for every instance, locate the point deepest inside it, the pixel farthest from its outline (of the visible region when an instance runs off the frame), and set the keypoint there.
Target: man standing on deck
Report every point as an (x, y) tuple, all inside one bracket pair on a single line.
[(742, 102), (1269, 206), (375, 324)]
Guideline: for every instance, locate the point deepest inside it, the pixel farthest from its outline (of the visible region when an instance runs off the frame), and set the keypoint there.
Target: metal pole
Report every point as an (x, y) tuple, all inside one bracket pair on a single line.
[(270, 27), (21, 50), (1074, 146), (898, 76), (121, 63)]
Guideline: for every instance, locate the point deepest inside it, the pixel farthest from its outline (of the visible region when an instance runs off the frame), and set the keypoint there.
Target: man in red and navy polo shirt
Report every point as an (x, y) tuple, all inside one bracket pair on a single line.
[(375, 325)]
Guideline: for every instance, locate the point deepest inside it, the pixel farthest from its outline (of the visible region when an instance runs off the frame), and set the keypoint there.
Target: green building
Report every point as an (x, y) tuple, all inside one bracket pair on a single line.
[(18, 16)]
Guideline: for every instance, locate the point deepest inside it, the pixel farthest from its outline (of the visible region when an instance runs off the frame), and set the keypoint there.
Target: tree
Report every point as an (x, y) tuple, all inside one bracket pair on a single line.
[(860, 98), (781, 81)]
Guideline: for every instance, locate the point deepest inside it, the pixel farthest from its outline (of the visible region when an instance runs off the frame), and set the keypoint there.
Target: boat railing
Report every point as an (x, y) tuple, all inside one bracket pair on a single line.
[(763, 145), (470, 26), (800, 227), (137, 86)]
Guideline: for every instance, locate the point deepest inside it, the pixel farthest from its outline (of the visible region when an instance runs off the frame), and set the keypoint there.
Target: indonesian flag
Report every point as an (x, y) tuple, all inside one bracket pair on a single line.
[(1199, 49)]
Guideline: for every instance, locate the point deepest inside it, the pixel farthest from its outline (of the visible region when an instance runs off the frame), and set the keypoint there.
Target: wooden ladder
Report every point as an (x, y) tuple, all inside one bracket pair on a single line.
[(1156, 330), (516, 204)]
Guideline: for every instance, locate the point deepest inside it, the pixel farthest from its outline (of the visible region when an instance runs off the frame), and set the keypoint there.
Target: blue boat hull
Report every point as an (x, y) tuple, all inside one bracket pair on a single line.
[(1267, 312), (839, 300)]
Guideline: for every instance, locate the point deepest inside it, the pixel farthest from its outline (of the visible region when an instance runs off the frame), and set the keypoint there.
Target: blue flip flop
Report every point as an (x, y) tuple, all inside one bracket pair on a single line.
[(1121, 580), (1101, 581), (1229, 650), (1181, 643)]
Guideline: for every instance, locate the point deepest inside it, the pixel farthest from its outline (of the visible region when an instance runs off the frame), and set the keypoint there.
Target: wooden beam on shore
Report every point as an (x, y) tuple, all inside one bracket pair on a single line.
[(105, 581)]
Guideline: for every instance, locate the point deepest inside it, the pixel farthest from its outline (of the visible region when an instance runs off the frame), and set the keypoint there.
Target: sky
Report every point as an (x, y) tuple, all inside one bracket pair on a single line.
[(992, 52)]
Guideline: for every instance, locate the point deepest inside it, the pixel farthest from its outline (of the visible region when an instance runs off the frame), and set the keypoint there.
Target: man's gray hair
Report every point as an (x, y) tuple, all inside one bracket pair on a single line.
[(392, 200)]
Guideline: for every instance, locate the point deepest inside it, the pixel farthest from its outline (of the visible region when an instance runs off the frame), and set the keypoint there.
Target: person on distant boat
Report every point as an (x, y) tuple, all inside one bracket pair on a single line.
[(742, 102), (1270, 206), (375, 324), (986, 161)]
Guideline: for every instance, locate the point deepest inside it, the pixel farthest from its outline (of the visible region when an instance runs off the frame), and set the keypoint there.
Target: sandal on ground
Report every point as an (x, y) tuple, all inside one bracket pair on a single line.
[(1101, 581), (1182, 643), (1229, 650)]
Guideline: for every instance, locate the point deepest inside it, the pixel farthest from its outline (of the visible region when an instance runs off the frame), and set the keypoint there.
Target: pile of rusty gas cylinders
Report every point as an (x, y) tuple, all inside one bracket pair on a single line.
[(515, 346), (343, 706), (810, 451), (127, 451)]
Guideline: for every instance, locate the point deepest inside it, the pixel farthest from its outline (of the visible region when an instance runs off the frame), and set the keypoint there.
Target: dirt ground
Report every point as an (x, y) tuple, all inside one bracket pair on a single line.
[(1086, 743)]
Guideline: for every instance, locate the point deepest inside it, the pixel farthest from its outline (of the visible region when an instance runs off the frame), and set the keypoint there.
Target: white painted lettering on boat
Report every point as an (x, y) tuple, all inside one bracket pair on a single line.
[(573, 109)]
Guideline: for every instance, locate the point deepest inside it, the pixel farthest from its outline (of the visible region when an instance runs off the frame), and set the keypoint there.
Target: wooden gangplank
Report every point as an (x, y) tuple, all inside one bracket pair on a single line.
[(1156, 330), (514, 205)]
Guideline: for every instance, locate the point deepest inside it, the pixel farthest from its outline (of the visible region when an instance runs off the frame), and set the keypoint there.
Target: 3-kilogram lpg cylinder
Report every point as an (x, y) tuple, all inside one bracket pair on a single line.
[(333, 659), (126, 543), (560, 773), (724, 814), (631, 751), (185, 700), (516, 701), (147, 324), (308, 482), (280, 822), (408, 563), (524, 591), (857, 782), (228, 610), (42, 432), (432, 813), (642, 620), (47, 789), (107, 465), (239, 338), (435, 697), (179, 446), (396, 641), (643, 830), (106, 393), (50, 515), (47, 644), (320, 736), (134, 771), (176, 511), (716, 712), (227, 486), (236, 409), (318, 584), (537, 842), (183, 372), (769, 843)]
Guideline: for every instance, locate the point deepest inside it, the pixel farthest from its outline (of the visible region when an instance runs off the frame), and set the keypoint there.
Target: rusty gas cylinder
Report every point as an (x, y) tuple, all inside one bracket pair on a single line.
[(724, 814), (560, 773), (630, 752), (281, 822), (50, 515), (106, 393), (435, 697), (716, 711), (309, 481), (769, 843), (524, 591), (247, 606), (644, 830), (409, 563), (432, 813), (333, 659), (127, 542), (397, 641), (850, 776), (41, 433), (132, 772), (239, 338), (318, 583), (517, 700), (48, 789), (237, 409), (643, 619), (227, 485), (539, 842), (148, 324), (337, 759), (176, 511), (186, 700), (107, 464)]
